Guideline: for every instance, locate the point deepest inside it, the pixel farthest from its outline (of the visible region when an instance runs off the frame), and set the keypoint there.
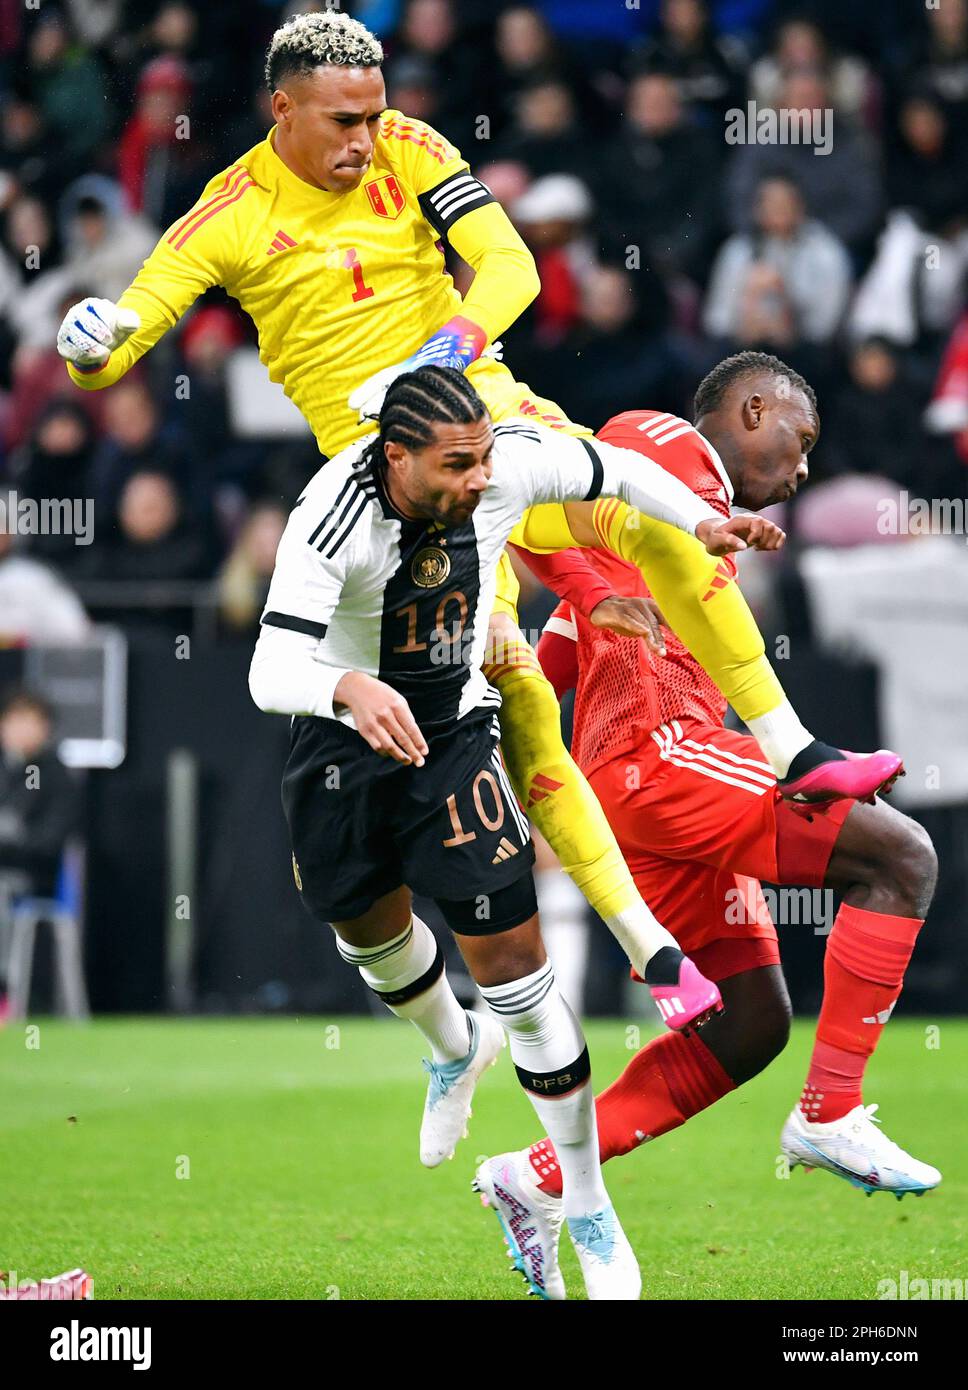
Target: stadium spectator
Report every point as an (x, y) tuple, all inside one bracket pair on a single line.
[(95, 21), (28, 159), (527, 54), (36, 607), (39, 798), (507, 180), (159, 167), (947, 415), (411, 89), (430, 31), (57, 464), (71, 90), (239, 132), (842, 187), (620, 354), (658, 183), (553, 217), (30, 247), (156, 538), (207, 341), (939, 63), (913, 290), (926, 168), (35, 379), (800, 46), (546, 134), (103, 248), (39, 809), (763, 288), (29, 241), (243, 581), (526, 49), (873, 424), (709, 69), (135, 438)]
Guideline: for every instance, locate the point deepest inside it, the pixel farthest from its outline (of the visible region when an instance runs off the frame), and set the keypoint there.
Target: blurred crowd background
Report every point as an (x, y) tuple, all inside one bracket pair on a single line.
[(662, 246)]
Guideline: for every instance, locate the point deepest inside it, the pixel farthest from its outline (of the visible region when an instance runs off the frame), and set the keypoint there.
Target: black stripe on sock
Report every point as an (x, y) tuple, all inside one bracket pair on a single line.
[(556, 1083), (523, 1006), (362, 958), (501, 996), (408, 992)]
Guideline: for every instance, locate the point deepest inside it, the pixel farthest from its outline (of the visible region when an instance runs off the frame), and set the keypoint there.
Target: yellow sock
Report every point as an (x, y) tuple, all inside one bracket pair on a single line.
[(550, 785), (702, 604)]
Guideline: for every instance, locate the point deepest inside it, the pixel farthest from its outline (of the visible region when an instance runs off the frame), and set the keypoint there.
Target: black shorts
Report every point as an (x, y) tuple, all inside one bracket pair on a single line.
[(362, 825)]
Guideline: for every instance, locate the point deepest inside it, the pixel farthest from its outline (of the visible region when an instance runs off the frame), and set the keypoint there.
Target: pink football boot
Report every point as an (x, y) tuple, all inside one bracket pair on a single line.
[(688, 1003), (844, 776)]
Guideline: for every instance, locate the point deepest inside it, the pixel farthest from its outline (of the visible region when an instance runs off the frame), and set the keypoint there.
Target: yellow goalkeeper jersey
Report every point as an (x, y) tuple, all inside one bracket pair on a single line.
[(338, 285)]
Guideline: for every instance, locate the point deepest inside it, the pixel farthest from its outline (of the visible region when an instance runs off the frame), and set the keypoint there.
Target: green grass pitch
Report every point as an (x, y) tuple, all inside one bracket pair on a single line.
[(297, 1145)]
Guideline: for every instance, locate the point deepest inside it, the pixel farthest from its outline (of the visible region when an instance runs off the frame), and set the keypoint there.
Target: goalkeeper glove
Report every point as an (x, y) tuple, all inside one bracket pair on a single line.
[(92, 330), (457, 344)]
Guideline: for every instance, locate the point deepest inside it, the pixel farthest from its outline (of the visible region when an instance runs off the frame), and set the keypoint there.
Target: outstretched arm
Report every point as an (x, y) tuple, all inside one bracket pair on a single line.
[(195, 253)]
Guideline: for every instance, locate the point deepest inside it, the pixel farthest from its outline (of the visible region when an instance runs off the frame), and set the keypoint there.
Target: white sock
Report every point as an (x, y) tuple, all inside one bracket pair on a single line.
[(564, 926), (781, 736), (640, 934), (551, 1059), (408, 975)]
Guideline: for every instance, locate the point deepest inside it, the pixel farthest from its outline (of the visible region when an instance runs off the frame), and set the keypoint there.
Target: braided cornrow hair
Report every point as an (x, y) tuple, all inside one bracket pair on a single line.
[(415, 402)]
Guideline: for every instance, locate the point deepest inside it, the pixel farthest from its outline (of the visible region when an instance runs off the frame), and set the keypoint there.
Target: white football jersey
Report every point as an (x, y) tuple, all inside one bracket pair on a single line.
[(408, 601)]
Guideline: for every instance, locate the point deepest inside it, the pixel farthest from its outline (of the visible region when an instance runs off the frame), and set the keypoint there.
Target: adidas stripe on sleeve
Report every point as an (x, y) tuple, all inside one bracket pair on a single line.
[(459, 194), (315, 554)]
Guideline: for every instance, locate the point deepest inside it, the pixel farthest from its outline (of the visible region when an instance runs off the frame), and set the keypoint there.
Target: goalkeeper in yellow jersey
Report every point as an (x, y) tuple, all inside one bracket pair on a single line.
[(328, 233)]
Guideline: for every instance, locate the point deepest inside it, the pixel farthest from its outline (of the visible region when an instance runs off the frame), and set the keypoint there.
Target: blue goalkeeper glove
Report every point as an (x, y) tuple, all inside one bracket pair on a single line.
[(457, 344)]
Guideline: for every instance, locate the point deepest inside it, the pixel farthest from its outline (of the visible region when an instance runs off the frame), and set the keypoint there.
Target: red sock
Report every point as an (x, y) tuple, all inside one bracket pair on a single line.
[(671, 1078), (863, 971)]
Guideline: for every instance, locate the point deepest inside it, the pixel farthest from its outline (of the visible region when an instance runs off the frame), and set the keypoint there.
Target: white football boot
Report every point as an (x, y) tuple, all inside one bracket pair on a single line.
[(856, 1150), (451, 1088), (608, 1264), (530, 1220)]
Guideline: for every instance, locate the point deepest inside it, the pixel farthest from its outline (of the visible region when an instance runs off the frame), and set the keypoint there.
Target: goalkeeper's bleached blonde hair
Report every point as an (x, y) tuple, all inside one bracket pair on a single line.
[(308, 40)]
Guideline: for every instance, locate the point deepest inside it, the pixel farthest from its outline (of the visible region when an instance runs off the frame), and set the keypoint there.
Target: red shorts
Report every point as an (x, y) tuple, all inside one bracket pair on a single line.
[(698, 818)]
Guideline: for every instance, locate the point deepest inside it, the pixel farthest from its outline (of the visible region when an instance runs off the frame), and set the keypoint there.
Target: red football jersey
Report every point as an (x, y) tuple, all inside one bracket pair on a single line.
[(625, 690)]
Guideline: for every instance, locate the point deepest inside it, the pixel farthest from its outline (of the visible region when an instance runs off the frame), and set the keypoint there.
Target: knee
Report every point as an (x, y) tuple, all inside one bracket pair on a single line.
[(912, 867), (764, 1037)]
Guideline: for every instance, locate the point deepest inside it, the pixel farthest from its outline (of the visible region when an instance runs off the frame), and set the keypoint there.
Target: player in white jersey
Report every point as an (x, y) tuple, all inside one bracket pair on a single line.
[(371, 639)]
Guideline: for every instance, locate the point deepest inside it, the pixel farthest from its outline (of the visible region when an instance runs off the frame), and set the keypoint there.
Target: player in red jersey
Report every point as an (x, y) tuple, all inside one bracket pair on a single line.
[(696, 812)]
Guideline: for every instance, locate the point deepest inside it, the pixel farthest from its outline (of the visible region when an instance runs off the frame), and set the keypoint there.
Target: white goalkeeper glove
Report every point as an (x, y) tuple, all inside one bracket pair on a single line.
[(92, 330)]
